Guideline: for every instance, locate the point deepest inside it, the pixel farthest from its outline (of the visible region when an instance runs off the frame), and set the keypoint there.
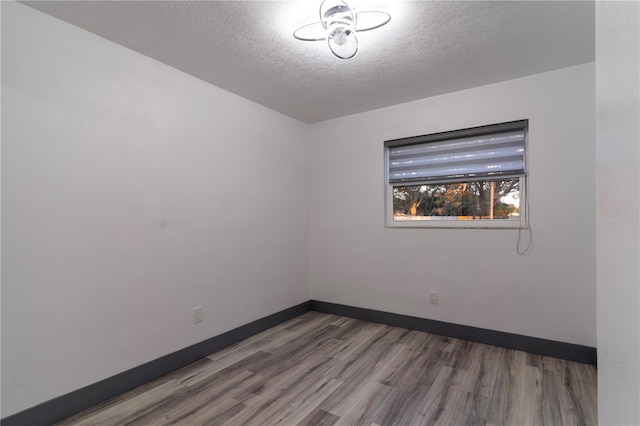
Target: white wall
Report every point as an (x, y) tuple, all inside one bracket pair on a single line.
[(618, 211), (131, 193), (481, 281)]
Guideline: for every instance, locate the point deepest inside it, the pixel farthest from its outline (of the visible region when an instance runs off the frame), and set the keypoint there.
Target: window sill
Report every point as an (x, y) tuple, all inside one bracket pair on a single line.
[(453, 224)]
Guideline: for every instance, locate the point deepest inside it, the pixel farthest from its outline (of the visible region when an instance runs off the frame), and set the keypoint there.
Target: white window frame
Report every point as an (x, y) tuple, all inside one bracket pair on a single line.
[(519, 223)]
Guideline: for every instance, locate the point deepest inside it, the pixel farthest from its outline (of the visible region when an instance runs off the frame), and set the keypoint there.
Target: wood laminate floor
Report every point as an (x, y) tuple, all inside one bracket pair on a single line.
[(320, 369)]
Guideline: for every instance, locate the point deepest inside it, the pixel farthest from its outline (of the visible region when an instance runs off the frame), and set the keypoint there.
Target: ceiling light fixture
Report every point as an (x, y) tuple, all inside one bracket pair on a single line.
[(339, 25)]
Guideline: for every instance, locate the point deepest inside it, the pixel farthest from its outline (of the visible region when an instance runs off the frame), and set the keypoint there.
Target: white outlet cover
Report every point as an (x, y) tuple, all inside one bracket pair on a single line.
[(197, 314)]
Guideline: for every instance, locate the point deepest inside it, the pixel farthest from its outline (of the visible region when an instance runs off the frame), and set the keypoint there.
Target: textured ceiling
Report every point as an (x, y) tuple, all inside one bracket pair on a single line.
[(428, 48)]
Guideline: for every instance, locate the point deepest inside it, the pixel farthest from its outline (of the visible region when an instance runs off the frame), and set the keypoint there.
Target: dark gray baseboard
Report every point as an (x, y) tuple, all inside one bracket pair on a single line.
[(66, 405), (567, 351)]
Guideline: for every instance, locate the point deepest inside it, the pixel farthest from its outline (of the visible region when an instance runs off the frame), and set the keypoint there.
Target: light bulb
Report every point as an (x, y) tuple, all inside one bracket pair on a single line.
[(343, 44), (340, 36)]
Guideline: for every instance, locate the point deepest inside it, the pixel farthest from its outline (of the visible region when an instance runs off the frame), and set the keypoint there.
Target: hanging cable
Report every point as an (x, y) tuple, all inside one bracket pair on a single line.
[(527, 216)]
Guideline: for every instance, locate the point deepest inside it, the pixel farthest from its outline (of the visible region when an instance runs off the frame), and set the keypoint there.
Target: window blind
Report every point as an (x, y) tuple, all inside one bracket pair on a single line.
[(471, 153)]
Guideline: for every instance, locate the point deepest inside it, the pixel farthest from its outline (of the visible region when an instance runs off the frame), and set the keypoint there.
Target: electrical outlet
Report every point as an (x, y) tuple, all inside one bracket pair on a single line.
[(433, 297), (197, 314)]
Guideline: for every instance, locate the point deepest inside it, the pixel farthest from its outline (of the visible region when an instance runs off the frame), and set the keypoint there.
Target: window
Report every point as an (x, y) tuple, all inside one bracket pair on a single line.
[(464, 178)]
